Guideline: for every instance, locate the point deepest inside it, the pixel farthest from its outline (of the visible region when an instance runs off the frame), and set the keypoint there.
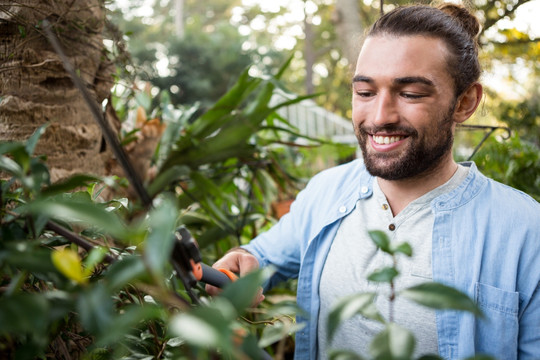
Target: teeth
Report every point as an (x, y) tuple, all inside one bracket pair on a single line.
[(387, 139)]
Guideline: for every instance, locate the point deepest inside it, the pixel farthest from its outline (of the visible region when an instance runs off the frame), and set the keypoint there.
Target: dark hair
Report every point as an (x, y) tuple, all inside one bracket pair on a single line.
[(454, 24)]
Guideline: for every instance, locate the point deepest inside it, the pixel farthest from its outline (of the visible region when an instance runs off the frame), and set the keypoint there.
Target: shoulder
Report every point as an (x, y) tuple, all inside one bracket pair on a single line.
[(341, 174)]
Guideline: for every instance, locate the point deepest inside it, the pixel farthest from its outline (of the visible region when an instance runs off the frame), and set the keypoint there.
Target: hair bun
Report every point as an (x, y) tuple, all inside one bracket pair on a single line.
[(469, 22)]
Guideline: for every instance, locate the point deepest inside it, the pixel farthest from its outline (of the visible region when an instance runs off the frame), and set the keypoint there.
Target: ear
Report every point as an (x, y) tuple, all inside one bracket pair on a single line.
[(468, 102)]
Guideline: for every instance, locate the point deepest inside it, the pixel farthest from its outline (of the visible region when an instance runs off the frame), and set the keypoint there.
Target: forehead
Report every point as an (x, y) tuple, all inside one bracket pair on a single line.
[(389, 57)]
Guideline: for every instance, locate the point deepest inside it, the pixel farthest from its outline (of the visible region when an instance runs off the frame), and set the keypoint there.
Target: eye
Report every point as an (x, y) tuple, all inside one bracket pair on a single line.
[(413, 96), (364, 93)]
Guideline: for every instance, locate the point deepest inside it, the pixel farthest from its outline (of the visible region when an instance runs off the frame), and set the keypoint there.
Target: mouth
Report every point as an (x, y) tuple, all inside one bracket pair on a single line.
[(387, 139)]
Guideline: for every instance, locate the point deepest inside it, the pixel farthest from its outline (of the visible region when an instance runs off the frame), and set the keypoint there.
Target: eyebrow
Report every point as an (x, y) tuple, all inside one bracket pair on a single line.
[(399, 81), (413, 80)]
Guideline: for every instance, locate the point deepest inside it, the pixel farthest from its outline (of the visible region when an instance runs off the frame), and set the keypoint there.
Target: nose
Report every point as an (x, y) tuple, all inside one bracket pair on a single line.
[(385, 111)]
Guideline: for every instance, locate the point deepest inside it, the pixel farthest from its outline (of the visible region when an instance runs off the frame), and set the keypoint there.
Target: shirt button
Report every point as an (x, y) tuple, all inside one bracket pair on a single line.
[(364, 189), (385, 206), (392, 227), (342, 209)]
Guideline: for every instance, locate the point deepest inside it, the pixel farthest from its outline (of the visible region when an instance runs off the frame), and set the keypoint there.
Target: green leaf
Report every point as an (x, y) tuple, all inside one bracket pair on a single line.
[(129, 318), (79, 210), (15, 320), (96, 309), (33, 140), (160, 241), (349, 306), (242, 292), (10, 166), (381, 240), (334, 354), (126, 270), (69, 184), (438, 296), (206, 326), (386, 274), (393, 343), (403, 248), (278, 330), (96, 256)]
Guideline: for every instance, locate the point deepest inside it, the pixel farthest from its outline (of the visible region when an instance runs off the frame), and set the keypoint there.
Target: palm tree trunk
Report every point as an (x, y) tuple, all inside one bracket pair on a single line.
[(35, 89)]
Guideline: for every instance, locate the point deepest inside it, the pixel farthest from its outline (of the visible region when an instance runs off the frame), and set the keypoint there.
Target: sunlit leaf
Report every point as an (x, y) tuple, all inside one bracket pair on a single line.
[(69, 263), (439, 296)]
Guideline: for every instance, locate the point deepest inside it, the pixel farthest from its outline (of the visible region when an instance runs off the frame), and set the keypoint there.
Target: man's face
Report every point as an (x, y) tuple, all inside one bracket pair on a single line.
[(403, 104)]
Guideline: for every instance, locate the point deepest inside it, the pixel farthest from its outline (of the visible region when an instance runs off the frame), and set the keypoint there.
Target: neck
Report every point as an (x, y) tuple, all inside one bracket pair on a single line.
[(400, 193)]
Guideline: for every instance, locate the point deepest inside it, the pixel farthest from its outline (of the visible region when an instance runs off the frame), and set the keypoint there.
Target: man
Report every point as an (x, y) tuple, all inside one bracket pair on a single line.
[(416, 78)]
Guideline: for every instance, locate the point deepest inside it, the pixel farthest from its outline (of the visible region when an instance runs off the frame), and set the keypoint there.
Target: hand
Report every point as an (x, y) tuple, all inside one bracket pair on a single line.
[(238, 261)]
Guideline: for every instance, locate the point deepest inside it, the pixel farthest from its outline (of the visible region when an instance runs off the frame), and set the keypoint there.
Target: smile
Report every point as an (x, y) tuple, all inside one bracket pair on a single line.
[(385, 140)]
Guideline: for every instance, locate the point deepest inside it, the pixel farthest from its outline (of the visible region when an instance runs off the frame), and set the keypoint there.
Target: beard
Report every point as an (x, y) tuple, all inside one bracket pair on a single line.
[(423, 153)]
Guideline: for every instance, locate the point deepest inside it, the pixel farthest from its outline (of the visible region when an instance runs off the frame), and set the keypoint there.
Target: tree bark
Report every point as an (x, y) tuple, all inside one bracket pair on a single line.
[(349, 28), (35, 89)]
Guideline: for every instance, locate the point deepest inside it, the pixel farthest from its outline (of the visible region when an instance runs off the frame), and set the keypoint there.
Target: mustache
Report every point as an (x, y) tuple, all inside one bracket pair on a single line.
[(388, 128)]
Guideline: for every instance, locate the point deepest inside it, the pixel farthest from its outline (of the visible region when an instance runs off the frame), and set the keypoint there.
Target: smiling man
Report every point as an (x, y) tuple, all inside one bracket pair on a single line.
[(416, 78)]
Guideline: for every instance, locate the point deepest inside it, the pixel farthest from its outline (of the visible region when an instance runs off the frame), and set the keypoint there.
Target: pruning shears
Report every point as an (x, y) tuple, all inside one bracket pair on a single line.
[(187, 262)]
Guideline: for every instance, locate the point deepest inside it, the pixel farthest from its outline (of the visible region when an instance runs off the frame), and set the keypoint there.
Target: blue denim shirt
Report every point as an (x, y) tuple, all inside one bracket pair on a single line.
[(486, 243)]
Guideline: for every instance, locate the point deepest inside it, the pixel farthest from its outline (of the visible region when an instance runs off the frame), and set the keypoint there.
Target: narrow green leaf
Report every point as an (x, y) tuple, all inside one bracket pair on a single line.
[(166, 177), (438, 296), (160, 241), (69, 184), (79, 210), (386, 274), (381, 240), (347, 307), (33, 140), (393, 343), (10, 166)]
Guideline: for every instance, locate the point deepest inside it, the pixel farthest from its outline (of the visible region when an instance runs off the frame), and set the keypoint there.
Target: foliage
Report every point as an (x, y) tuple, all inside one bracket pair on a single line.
[(85, 275), (515, 162), (394, 341)]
